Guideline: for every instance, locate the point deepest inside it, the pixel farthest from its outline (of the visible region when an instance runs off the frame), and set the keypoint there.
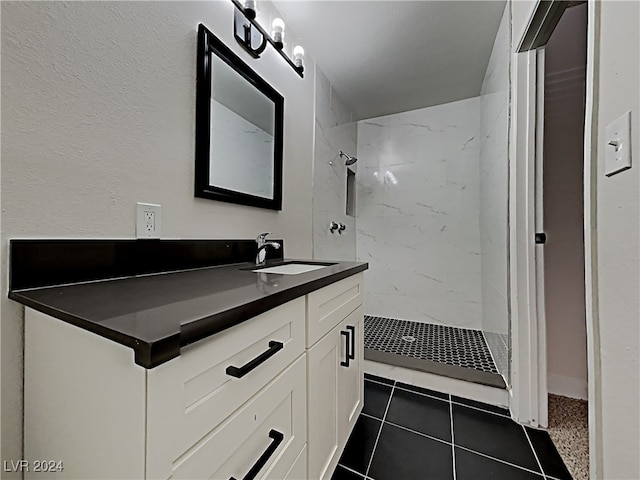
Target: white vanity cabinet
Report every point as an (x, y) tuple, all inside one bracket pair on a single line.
[(270, 398), (335, 349)]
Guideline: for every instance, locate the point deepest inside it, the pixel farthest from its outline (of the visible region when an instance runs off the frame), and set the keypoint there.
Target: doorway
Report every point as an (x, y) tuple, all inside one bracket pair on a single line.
[(561, 188), (562, 193), (550, 210)]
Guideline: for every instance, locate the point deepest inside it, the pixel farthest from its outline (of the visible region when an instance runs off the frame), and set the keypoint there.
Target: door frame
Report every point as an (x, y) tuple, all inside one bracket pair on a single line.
[(528, 357)]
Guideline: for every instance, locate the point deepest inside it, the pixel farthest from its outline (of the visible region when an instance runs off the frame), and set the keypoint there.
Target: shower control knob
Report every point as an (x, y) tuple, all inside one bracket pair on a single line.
[(333, 226), (342, 227)]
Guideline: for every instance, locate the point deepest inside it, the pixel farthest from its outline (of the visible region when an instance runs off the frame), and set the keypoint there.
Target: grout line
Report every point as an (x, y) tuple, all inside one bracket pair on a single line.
[(453, 439), (526, 434), (501, 461), (482, 410), (423, 394), (417, 432), (352, 470), (453, 401), (373, 452), (371, 416), (404, 389), (379, 383)]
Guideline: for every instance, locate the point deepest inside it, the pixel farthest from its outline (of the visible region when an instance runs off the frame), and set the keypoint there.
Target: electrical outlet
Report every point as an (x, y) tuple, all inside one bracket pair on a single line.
[(148, 220)]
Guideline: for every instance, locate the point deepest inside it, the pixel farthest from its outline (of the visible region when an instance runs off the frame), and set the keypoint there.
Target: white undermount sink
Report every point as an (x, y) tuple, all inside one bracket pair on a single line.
[(290, 268)]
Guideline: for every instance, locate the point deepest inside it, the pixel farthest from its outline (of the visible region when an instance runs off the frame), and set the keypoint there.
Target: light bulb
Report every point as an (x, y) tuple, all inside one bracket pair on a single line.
[(298, 56), (278, 25), (250, 9), (278, 32)]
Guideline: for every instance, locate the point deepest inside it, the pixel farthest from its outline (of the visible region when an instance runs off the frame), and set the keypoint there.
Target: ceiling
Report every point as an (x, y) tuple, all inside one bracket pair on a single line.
[(389, 56)]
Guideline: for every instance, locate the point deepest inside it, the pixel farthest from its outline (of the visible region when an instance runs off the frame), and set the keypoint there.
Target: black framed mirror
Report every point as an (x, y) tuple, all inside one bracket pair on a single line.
[(239, 129)]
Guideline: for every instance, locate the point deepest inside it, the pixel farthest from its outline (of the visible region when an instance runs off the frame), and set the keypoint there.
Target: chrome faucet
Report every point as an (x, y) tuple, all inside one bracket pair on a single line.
[(261, 240)]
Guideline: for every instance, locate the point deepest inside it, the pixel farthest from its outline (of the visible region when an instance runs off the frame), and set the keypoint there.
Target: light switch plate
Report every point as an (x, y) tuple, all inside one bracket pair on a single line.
[(618, 147), (148, 220)]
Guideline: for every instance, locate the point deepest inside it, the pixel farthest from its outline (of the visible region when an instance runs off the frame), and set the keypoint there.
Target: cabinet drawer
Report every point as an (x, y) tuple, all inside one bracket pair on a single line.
[(298, 470), (266, 435), (190, 395), (328, 306)]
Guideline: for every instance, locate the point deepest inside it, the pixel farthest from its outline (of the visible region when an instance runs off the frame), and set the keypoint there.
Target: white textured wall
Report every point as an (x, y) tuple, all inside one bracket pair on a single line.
[(98, 112), (494, 183), (421, 236), (335, 131), (564, 287), (618, 245)]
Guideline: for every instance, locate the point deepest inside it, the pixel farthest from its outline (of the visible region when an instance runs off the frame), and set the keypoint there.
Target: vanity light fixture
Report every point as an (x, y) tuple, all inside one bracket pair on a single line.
[(277, 33), (253, 38)]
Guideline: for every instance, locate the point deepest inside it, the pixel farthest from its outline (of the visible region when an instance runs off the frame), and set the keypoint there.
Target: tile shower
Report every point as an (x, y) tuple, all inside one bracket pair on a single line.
[(431, 218)]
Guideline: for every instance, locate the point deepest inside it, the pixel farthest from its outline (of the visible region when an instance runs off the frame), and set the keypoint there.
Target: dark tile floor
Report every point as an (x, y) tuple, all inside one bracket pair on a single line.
[(411, 433)]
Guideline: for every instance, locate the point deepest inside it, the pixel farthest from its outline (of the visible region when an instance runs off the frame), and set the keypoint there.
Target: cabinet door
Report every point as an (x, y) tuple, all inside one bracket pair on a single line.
[(323, 389), (351, 378)]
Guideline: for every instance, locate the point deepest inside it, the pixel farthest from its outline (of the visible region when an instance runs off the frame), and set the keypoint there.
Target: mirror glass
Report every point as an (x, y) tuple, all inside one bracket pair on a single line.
[(242, 121), (239, 130)]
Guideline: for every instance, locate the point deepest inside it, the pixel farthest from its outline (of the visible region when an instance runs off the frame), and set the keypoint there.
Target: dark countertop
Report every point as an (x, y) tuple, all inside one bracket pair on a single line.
[(158, 314)]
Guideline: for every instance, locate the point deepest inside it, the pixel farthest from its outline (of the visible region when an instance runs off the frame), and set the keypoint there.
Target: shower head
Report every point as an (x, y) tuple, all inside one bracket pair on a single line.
[(350, 160)]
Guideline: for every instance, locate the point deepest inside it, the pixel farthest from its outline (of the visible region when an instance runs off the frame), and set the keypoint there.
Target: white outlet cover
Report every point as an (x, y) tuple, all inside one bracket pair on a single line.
[(618, 145), (144, 228)]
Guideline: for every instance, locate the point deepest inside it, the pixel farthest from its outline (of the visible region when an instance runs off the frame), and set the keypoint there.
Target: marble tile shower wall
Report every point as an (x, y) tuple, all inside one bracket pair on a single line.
[(334, 131), (494, 115), (246, 141), (417, 222)]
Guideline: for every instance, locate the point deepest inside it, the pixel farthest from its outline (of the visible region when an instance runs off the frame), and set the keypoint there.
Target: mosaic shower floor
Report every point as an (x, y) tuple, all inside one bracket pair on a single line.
[(453, 352)]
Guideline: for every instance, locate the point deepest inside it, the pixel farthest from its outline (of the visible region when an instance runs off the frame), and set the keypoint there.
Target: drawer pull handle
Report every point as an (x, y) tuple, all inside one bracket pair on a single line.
[(347, 357), (277, 438), (239, 372), (352, 354)]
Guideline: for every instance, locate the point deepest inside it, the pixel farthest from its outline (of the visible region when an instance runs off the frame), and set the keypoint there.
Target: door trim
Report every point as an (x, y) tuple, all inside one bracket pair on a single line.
[(594, 383)]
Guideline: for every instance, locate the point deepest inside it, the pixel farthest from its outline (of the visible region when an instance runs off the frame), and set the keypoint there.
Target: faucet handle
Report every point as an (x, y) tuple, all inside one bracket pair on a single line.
[(260, 239)]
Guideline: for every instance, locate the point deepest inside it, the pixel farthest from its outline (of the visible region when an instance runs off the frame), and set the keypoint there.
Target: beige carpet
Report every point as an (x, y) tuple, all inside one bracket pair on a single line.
[(569, 430)]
